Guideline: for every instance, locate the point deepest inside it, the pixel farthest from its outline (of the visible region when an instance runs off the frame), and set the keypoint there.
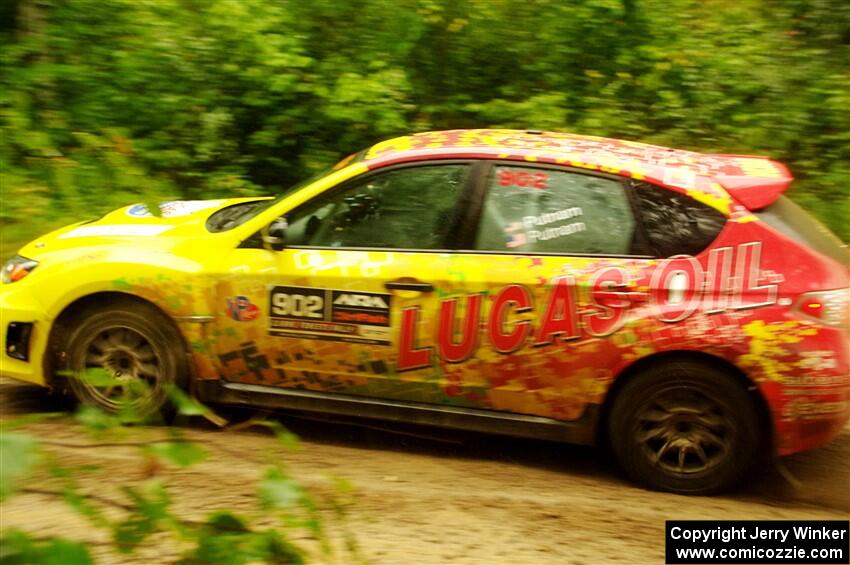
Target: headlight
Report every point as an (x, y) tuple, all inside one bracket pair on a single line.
[(17, 268)]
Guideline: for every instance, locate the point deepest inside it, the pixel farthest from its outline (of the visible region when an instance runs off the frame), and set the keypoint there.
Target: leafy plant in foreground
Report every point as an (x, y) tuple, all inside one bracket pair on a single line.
[(147, 509)]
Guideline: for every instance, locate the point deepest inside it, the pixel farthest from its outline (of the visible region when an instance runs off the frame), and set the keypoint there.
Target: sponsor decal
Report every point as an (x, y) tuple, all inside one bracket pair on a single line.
[(241, 309), (551, 217), (679, 287), (339, 315), (176, 208), (523, 179), (116, 230), (813, 408), (557, 231), (537, 228), (514, 236), (139, 211), (173, 208)]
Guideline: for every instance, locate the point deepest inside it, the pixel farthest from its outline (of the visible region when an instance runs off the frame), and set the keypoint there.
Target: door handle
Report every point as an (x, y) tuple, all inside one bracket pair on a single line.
[(409, 283)]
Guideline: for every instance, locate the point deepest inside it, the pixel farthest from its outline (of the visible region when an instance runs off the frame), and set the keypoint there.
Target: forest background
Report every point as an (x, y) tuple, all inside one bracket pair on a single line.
[(105, 103)]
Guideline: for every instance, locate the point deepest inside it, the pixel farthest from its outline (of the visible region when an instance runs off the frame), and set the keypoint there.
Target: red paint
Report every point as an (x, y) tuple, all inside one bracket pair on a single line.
[(677, 169), (678, 288), (717, 281), (748, 292), (720, 293), (675, 288), (523, 179), (611, 306), (519, 298), (752, 191), (560, 318), (409, 357), (457, 351)]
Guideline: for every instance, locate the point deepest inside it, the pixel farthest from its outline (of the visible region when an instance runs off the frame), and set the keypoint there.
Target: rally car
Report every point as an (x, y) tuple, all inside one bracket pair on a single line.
[(671, 305)]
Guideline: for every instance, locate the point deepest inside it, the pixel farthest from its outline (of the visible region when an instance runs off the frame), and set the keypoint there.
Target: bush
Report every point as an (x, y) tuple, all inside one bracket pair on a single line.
[(105, 103), (144, 513)]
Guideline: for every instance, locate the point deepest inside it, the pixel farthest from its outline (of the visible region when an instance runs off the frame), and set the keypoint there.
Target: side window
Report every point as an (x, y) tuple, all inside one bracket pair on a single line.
[(675, 223), (408, 208), (546, 211)]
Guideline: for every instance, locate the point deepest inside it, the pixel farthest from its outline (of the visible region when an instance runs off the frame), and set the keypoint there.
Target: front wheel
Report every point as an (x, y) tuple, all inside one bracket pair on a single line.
[(125, 357), (685, 427)]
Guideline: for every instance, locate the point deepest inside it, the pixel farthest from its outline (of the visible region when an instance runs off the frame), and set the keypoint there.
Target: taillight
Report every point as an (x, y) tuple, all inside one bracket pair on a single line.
[(829, 307)]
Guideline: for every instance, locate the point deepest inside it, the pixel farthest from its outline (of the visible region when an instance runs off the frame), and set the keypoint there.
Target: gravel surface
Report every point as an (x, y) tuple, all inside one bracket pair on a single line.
[(422, 496)]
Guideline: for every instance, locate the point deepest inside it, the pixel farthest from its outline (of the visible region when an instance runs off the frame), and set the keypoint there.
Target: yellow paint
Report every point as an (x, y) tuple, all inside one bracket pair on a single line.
[(171, 261), (403, 143), (187, 271), (766, 347), (759, 167), (721, 203), (746, 219)]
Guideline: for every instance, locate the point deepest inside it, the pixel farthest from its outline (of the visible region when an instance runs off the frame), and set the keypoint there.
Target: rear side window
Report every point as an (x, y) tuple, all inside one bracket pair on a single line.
[(674, 223), (788, 218), (535, 210)]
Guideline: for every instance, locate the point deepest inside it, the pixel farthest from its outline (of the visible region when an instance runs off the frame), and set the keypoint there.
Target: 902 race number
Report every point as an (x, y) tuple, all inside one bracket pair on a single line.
[(331, 314), (293, 302)]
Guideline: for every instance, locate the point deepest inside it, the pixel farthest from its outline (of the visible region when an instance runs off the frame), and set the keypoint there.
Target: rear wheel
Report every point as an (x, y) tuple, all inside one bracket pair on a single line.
[(685, 427), (125, 356)]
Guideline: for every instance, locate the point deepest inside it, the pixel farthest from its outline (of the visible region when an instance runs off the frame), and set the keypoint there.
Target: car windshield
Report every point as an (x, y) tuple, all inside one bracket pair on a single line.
[(236, 215)]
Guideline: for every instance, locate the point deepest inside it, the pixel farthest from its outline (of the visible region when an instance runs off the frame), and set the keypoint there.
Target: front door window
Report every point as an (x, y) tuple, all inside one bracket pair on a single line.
[(409, 208)]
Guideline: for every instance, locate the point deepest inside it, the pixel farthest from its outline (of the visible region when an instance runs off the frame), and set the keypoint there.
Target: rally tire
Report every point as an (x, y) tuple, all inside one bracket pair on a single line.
[(686, 427), (137, 345)]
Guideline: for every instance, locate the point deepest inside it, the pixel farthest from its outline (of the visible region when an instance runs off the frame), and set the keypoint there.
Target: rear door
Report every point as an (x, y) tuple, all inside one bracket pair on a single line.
[(567, 283), (555, 261)]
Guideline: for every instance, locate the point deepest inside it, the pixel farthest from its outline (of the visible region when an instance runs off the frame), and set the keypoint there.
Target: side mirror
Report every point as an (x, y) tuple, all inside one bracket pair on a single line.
[(274, 236)]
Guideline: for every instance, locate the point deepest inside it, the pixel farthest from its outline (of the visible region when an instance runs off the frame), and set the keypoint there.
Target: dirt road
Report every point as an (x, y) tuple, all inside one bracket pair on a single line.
[(444, 497)]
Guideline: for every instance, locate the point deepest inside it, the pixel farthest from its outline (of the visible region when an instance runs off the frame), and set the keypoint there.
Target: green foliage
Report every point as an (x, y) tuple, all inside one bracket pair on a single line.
[(286, 438), (105, 103), (279, 491), (228, 540), (185, 404), (18, 453), (222, 538), (180, 453), (19, 548), (149, 514)]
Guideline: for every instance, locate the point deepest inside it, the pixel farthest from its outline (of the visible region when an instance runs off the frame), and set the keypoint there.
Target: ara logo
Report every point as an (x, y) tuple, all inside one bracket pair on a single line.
[(360, 300)]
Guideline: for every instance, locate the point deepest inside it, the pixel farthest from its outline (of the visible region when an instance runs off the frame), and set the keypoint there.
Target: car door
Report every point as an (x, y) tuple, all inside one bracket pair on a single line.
[(324, 313), (564, 278), (552, 268)]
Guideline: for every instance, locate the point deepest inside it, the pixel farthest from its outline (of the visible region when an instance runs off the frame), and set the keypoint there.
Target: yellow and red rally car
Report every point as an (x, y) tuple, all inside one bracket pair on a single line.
[(671, 304)]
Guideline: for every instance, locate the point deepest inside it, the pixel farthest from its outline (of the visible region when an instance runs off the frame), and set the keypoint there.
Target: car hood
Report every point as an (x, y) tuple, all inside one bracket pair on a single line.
[(135, 225)]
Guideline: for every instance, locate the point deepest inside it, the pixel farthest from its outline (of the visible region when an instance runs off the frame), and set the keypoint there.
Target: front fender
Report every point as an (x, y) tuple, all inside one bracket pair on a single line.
[(175, 284)]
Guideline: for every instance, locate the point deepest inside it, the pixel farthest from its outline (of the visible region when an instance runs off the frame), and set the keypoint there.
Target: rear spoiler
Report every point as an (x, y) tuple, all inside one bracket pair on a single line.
[(755, 182)]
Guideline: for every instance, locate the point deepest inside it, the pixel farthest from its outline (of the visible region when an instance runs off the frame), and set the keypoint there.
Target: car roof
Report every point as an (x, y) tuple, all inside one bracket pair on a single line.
[(753, 181)]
